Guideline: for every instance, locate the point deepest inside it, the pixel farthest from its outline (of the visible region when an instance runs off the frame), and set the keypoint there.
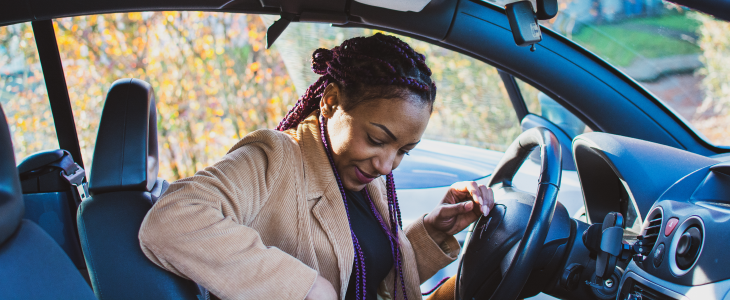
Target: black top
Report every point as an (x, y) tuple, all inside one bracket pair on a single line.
[(374, 243)]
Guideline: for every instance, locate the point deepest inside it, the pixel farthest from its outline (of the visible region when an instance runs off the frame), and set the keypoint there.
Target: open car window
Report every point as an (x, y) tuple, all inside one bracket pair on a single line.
[(215, 81), (23, 94)]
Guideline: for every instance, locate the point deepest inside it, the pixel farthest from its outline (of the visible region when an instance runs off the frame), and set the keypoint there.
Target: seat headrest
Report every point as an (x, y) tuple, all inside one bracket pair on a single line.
[(125, 155), (11, 194)]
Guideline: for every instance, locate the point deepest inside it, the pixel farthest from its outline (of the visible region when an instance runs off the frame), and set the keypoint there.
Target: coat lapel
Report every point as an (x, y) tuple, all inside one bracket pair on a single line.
[(330, 212), (330, 209)]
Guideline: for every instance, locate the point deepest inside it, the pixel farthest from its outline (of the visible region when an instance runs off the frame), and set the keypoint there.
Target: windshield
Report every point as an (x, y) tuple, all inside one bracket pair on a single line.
[(679, 55)]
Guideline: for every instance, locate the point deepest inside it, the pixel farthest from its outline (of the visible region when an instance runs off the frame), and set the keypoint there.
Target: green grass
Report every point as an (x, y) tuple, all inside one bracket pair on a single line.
[(620, 45), (676, 22)]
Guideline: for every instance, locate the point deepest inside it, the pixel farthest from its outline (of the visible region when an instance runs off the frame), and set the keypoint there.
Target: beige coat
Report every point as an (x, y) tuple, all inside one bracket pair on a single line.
[(266, 219)]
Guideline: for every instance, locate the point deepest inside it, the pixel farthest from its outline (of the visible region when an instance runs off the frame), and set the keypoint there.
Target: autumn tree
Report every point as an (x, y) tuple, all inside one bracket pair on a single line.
[(23, 93), (213, 78), (713, 117)]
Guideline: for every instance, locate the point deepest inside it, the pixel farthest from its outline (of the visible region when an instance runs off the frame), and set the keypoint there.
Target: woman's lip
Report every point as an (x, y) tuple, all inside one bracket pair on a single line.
[(362, 176)]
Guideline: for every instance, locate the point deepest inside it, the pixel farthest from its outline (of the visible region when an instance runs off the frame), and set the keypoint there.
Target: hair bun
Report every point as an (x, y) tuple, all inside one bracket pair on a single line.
[(320, 58)]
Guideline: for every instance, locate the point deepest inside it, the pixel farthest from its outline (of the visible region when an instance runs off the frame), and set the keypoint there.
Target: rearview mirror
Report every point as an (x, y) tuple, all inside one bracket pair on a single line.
[(546, 9)]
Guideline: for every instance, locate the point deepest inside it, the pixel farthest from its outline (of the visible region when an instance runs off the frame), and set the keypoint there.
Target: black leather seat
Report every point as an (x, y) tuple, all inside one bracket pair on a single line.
[(32, 265), (122, 184)]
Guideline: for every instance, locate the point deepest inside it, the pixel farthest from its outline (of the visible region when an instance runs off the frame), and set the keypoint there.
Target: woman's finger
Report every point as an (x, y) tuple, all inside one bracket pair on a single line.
[(488, 197), (459, 192), (448, 211), (474, 192)]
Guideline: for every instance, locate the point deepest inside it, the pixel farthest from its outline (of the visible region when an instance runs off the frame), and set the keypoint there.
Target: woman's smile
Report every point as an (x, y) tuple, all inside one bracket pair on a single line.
[(363, 177)]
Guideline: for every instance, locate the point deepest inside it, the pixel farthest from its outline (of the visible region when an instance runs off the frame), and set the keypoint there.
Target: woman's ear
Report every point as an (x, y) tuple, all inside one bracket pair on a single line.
[(330, 100)]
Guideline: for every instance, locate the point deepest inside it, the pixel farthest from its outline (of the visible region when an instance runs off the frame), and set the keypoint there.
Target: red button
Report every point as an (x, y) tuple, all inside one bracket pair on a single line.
[(671, 224)]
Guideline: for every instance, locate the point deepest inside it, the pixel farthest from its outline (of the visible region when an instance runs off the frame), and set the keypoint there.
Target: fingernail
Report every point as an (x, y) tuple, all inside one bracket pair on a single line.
[(479, 198), (469, 205)]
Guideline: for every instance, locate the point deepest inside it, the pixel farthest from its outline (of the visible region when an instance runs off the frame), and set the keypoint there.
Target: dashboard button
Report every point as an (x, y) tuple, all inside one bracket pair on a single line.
[(658, 255), (671, 224)]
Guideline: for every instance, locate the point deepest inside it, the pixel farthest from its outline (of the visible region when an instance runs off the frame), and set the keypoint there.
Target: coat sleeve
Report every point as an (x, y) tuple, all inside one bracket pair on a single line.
[(430, 257), (198, 229)]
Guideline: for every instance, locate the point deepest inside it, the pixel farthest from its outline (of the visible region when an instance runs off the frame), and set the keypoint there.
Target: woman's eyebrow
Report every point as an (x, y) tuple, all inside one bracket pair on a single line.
[(386, 130)]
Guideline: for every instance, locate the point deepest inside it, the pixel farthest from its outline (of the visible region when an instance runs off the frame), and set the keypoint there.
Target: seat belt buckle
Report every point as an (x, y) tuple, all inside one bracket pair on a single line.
[(83, 190), (77, 179)]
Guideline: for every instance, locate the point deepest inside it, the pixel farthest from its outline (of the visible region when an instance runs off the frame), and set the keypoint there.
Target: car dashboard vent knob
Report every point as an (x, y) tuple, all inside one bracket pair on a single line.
[(688, 247)]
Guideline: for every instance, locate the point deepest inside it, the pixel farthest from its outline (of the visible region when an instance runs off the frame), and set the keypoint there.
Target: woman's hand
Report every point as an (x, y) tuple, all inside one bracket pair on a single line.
[(463, 204), (322, 290)]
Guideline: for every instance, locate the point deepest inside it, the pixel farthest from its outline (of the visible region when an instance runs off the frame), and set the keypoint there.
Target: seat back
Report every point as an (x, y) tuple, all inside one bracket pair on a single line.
[(51, 200), (123, 177), (32, 265)]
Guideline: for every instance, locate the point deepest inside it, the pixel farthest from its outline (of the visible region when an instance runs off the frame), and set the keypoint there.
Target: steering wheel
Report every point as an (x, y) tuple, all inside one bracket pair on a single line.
[(501, 248)]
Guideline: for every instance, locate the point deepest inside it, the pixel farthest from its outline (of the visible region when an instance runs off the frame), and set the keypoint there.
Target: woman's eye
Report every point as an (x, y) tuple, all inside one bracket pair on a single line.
[(405, 152), (374, 142)]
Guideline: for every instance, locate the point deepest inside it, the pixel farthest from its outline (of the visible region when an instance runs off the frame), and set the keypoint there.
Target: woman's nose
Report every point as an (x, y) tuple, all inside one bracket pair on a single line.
[(384, 163)]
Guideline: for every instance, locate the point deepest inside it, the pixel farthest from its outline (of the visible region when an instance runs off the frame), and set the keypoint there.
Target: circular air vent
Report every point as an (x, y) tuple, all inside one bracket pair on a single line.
[(652, 227), (686, 245)]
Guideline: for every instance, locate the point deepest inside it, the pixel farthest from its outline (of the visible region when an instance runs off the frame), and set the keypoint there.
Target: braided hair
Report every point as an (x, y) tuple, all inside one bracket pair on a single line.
[(366, 68)]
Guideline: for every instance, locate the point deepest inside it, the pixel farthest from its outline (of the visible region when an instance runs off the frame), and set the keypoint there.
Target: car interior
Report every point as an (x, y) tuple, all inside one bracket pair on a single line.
[(34, 266), (656, 194), (120, 196)]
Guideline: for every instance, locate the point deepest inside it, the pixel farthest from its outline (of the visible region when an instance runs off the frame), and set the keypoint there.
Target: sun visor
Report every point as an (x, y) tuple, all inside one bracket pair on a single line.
[(399, 5)]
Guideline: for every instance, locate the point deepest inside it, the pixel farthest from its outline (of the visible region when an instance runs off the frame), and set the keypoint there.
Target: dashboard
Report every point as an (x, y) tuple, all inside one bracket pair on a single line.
[(689, 228), (676, 203)]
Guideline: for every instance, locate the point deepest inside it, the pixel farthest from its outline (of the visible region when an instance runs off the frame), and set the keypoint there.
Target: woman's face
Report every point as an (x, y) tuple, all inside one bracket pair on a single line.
[(371, 139)]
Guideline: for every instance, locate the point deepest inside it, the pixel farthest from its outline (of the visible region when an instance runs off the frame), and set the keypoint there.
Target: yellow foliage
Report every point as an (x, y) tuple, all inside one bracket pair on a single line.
[(713, 117)]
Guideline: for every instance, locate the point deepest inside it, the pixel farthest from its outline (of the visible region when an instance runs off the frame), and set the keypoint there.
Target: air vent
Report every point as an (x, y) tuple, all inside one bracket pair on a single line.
[(643, 292), (633, 289), (652, 228)]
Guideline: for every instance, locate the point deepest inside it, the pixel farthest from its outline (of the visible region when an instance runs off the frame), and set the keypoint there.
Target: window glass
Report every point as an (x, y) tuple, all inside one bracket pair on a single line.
[(542, 105), (679, 55), (214, 80), (23, 94)]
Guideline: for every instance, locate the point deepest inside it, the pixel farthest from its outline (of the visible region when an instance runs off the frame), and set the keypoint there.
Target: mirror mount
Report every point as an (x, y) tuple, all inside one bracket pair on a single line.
[(276, 29), (523, 20)]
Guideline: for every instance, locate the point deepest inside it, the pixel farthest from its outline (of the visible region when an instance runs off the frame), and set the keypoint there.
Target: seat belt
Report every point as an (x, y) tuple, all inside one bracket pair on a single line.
[(70, 171)]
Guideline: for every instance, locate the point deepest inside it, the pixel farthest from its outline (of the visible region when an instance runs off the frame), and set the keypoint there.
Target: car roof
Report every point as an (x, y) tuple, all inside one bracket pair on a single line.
[(600, 95), (718, 8)]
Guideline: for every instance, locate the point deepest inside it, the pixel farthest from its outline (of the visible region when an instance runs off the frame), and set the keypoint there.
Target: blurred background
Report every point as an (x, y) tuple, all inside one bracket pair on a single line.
[(215, 81)]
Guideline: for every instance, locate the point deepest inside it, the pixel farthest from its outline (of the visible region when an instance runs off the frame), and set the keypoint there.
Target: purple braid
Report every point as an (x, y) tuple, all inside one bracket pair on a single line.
[(367, 68), (360, 280)]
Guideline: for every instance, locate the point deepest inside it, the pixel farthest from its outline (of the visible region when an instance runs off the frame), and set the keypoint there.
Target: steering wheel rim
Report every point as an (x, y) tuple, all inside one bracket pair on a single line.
[(529, 246)]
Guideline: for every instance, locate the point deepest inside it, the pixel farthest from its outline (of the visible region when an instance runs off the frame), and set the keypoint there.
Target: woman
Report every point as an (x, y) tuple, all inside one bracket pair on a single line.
[(304, 212)]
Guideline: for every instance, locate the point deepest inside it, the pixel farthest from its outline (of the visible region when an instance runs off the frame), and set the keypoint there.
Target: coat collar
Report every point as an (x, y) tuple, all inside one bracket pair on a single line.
[(330, 209), (317, 170)]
